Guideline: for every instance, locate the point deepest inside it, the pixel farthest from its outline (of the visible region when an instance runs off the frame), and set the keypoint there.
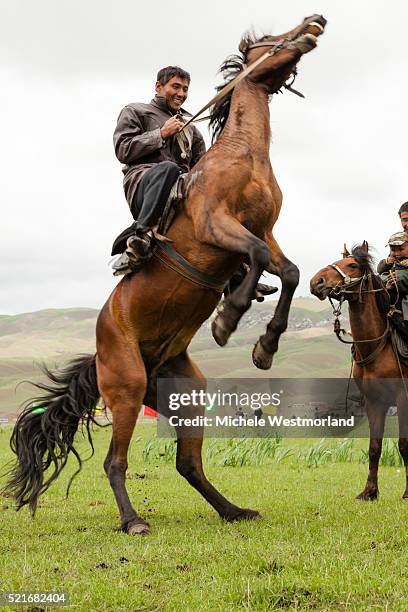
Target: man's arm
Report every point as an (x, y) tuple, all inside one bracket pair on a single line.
[(131, 141), (385, 266), (396, 279)]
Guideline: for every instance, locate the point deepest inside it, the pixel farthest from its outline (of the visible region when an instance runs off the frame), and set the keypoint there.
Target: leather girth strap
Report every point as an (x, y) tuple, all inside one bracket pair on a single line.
[(167, 254)]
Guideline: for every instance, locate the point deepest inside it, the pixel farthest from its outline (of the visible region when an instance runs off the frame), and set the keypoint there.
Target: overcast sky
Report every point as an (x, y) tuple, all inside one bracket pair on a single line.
[(67, 67)]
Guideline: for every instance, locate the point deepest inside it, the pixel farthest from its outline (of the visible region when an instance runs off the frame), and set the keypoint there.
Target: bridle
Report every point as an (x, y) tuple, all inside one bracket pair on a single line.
[(339, 292), (275, 46), (382, 340)]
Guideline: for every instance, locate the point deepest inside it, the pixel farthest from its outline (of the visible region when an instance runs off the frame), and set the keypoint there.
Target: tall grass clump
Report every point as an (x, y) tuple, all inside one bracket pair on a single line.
[(239, 452)]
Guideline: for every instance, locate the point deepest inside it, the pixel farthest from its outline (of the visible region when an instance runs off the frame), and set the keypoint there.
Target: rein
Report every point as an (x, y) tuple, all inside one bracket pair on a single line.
[(275, 46), (382, 340), (338, 330)]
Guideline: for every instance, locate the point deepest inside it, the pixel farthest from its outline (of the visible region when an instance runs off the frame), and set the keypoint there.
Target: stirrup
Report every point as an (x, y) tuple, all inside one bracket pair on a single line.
[(121, 265), (139, 245), (128, 265), (129, 262)]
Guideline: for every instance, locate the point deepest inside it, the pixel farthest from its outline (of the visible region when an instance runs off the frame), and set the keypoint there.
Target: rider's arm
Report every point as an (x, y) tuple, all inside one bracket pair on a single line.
[(384, 266), (197, 147), (131, 141)]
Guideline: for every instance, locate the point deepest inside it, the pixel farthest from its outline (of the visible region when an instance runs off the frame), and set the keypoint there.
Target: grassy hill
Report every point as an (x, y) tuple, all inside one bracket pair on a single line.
[(307, 349)]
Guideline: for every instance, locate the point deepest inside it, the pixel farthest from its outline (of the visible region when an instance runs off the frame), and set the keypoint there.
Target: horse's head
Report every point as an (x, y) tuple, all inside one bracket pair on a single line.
[(339, 278), (287, 49), (271, 60)]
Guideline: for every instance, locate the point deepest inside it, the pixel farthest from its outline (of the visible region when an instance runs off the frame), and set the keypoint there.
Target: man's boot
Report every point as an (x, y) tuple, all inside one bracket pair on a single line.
[(138, 252), (138, 246)]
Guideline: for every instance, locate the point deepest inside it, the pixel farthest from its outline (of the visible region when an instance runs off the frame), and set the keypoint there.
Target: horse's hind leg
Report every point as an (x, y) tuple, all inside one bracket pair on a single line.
[(122, 384), (267, 344), (189, 460), (189, 465)]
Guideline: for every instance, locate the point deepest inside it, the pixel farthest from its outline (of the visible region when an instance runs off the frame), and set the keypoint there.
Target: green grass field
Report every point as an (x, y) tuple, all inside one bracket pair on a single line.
[(315, 548)]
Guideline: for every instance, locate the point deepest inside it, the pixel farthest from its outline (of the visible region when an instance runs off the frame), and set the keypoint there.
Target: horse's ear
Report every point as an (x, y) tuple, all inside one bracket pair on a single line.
[(345, 251), (364, 246)]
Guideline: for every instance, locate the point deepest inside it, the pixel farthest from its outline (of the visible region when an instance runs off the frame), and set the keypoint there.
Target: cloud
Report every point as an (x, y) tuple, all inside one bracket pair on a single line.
[(67, 69)]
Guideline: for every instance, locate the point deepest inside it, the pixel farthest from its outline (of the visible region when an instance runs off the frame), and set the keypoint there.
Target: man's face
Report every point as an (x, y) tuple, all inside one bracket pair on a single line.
[(399, 251), (174, 91), (404, 220)]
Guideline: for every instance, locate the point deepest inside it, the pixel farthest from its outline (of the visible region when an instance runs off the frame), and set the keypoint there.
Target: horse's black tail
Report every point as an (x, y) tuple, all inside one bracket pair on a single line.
[(44, 432)]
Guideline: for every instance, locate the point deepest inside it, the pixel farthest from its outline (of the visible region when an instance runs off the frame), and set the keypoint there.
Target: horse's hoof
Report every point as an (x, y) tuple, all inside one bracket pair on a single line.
[(246, 514), (140, 528), (261, 358), (368, 495), (219, 331), (405, 496)]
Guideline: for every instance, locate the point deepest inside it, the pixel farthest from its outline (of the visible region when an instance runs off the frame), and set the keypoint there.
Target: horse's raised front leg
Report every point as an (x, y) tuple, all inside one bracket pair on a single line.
[(376, 417), (189, 461), (267, 344), (226, 232)]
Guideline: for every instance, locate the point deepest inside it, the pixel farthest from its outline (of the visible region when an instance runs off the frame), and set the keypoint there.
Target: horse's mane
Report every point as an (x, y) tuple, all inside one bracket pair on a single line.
[(364, 258), (366, 262), (230, 68)]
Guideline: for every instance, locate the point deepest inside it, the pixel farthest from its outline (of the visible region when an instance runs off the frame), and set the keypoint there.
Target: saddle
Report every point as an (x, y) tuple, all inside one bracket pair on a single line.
[(174, 200), (168, 254)]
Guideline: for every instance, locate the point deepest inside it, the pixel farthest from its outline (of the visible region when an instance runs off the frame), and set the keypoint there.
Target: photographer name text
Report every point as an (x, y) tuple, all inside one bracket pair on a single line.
[(255, 421)]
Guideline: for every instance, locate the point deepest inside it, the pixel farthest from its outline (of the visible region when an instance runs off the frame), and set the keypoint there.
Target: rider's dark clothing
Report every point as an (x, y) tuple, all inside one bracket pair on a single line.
[(152, 193), (383, 267), (400, 267), (139, 145)]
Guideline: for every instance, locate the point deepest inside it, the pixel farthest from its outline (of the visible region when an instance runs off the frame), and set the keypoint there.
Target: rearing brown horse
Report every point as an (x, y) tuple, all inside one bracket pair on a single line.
[(376, 368), (145, 327)]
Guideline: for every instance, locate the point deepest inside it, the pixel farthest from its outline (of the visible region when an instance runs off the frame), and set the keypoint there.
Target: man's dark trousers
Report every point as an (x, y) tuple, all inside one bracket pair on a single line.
[(152, 194), (149, 201)]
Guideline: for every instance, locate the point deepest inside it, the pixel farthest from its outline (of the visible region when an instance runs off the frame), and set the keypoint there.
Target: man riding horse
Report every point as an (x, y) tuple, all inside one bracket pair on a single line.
[(394, 270), (146, 326), (155, 152), (146, 139)]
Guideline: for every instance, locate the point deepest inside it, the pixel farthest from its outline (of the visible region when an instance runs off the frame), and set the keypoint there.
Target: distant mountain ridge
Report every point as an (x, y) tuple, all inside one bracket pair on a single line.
[(52, 336)]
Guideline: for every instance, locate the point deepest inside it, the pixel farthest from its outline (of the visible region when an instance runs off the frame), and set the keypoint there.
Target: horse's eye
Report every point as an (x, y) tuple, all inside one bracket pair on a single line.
[(353, 266)]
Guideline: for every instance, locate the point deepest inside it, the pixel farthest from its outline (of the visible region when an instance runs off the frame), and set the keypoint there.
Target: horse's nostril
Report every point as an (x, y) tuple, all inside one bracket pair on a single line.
[(317, 285)]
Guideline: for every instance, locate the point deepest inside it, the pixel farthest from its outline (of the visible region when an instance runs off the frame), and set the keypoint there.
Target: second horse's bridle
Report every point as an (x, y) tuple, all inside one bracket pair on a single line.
[(339, 292)]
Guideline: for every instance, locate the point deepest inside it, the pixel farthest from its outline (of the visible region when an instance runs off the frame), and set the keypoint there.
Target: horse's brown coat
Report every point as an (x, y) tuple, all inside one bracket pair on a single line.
[(368, 322), (144, 329), (146, 325)]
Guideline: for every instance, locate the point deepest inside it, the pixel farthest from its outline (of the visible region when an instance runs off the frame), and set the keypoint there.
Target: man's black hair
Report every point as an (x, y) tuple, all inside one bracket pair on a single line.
[(165, 74), (403, 208)]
